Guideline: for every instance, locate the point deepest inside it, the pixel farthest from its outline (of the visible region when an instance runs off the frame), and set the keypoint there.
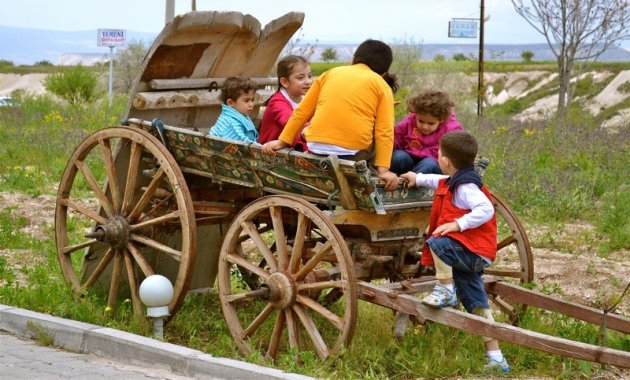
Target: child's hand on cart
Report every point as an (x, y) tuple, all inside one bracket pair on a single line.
[(271, 147), (390, 178), (410, 178)]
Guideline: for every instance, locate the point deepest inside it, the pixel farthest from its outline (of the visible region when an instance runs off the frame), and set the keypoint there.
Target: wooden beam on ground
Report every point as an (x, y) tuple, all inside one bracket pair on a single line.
[(570, 309), (481, 326)]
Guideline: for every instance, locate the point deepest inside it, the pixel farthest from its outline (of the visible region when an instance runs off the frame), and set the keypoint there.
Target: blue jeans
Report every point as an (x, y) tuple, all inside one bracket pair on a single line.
[(402, 162), (467, 270)]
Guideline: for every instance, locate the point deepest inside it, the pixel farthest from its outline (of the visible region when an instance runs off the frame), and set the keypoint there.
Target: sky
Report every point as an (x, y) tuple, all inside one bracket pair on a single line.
[(424, 21)]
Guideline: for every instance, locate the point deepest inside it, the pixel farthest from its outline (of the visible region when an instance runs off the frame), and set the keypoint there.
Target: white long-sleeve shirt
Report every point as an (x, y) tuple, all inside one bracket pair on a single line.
[(467, 196)]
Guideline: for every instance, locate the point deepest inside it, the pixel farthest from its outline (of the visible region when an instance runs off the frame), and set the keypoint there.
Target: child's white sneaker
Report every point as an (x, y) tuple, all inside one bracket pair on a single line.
[(496, 366), (441, 297)]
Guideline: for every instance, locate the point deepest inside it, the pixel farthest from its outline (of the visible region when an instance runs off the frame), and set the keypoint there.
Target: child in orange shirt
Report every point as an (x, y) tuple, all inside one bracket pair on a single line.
[(351, 112)]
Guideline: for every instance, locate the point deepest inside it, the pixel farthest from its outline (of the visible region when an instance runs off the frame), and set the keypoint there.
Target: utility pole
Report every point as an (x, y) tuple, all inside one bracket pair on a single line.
[(170, 11), (480, 89)]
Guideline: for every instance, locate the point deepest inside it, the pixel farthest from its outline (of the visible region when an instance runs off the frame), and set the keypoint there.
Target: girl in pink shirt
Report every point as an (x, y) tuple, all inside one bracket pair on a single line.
[(294, 80), (417, 137)]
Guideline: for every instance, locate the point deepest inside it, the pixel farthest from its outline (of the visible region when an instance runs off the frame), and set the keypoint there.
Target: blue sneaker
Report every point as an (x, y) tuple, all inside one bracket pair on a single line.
[(441, 297), (494, 366)]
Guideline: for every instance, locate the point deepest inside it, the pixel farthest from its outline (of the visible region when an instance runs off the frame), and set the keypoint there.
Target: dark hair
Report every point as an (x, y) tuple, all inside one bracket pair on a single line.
[(435, 103), (378, 56), (233, 87), (286, 65), (460, 147)]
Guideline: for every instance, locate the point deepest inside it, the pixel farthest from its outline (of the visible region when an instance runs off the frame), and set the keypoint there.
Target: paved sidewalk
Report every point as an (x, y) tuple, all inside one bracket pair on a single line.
[(25, 359), (143, 358)]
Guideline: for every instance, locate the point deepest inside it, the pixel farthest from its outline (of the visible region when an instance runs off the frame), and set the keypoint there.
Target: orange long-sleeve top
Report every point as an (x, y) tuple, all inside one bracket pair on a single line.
[(348, 106)]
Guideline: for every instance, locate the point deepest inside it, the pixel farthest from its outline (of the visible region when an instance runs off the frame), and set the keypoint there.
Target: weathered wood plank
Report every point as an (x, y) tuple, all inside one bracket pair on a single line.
[(196, 83), (188, 98), (501, 331), (570, 309)]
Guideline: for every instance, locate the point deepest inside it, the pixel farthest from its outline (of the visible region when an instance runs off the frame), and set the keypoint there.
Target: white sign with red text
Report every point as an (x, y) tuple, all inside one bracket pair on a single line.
[(111, 37)]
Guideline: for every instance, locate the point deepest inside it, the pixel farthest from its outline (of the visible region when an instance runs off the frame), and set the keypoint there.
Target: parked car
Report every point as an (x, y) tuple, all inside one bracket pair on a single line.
[(6, 101)]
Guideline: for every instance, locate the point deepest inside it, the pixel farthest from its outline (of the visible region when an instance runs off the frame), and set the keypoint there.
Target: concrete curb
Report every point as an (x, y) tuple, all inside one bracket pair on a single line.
[(130, 348)]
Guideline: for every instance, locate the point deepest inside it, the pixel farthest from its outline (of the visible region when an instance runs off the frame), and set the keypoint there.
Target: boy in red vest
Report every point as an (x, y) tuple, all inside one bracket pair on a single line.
[(463, 233)]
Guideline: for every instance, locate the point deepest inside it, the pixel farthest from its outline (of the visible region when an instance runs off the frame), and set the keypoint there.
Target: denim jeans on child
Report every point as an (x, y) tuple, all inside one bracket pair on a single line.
[(467, 270), (402, 162)]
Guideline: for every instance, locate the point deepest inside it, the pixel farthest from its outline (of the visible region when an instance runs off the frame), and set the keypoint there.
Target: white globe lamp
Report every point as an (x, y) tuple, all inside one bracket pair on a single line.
[(156, 292)]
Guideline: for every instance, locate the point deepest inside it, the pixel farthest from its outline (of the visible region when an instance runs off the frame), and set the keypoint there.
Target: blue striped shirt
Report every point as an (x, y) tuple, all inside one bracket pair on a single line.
[(233, 125)]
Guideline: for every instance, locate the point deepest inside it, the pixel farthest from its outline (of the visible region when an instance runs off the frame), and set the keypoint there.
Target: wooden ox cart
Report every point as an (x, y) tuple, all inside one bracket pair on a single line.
[(294, 240)]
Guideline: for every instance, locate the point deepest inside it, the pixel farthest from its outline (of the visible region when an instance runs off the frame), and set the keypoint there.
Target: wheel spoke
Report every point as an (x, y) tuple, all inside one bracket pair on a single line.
[(85, 211), (236, 259), (292, 329), (258, 321), (148, 194), (312, 331), (306, 287), (245, 296), (298, 244), (160, 219), (315, 306), (100, 194), (313, 261), (251, 230), (112, 177), (105, 260), (175, 254), (71, 248), (133, 285), (145, 267), (132, 175), (281, 240), (276, 335), (505, 242), (116, 277), (511, 273)]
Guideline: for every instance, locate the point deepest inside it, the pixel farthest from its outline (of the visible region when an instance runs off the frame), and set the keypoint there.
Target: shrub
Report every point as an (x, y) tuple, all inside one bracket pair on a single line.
[(5, 63), (329, 54), (43, 63), (527, 56), (128, 65), (76, 86), (460, 57), (624, 88)]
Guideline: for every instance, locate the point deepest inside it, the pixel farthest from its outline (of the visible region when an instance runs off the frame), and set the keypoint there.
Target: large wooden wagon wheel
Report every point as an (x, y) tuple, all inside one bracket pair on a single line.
[(297, 262), (514, 261), (123, 213)]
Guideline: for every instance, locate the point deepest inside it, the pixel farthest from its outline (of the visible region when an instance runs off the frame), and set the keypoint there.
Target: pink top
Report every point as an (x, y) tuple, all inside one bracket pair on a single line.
[(408, 138)]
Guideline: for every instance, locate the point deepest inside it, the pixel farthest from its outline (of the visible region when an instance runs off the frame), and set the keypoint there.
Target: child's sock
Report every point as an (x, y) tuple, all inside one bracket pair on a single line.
[(495, 355)]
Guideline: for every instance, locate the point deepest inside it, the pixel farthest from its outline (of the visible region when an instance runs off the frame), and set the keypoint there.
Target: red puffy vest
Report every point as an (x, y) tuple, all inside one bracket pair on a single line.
[(481, 240)]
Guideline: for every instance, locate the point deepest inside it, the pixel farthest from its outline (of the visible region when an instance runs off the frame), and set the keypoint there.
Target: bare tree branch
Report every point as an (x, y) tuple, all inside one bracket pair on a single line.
[(576, 30)]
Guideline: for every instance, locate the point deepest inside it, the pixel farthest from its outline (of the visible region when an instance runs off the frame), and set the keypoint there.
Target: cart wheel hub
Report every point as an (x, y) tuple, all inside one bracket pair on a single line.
[(282, 290), (115, 233)]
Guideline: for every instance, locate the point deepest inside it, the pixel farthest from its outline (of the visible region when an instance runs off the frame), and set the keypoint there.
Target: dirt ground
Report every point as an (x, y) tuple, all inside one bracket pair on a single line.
[(575, 273)]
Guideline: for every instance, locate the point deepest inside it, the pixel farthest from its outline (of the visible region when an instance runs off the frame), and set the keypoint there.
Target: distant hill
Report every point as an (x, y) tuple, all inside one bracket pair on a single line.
[(492, 52), (25, 46)]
